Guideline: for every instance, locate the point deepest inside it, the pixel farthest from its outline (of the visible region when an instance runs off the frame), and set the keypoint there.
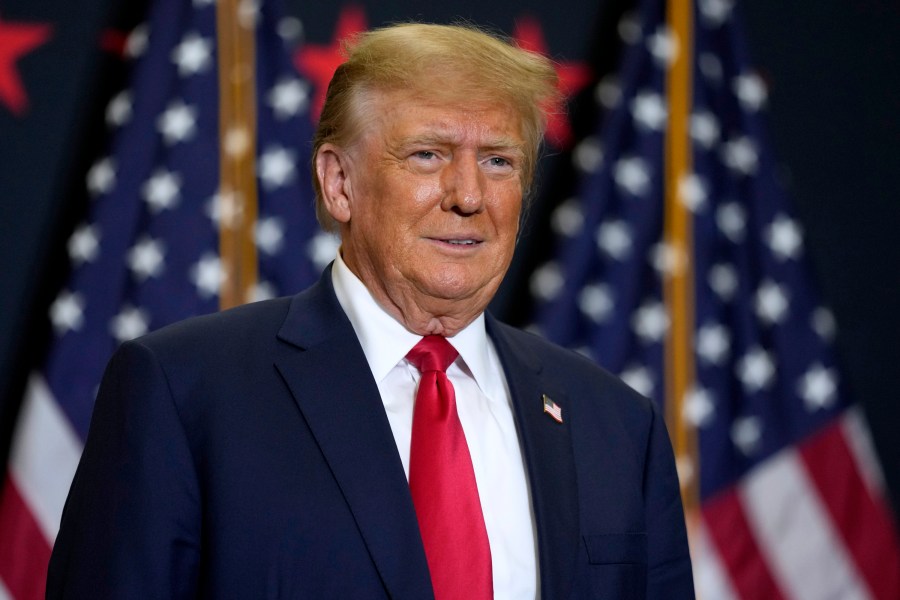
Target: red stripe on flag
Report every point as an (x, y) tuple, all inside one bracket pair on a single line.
[(731, 534), (864, 522), (24, 552)]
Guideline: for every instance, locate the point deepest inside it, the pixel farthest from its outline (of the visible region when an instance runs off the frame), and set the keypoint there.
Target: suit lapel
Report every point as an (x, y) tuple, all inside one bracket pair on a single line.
[(325, 368), (547, 448)]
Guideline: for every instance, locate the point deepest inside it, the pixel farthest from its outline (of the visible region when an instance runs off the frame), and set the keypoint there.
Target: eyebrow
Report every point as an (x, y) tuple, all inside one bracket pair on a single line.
[(501, 144)]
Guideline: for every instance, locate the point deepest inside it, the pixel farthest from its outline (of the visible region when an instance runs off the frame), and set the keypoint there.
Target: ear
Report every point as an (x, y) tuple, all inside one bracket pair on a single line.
[(332, 171)]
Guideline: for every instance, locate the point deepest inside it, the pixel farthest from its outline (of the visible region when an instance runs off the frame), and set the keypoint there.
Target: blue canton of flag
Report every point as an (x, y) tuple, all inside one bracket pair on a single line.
[(791, 502), (147, 254)]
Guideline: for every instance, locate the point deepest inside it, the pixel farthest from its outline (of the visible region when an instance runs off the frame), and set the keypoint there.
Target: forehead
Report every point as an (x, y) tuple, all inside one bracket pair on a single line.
[(398, 116)]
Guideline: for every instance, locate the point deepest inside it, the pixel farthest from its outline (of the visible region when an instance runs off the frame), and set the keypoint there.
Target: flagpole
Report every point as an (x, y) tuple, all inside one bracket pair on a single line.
[(678, 235), (237, 198)]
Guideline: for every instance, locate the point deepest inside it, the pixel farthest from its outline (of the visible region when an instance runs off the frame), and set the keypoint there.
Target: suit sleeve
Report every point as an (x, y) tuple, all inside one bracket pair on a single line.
[(669, 563), (131, 524)]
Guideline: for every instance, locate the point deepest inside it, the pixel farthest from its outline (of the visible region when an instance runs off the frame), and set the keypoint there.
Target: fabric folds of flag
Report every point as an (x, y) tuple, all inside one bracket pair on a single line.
[(147, 253), (786, 492)]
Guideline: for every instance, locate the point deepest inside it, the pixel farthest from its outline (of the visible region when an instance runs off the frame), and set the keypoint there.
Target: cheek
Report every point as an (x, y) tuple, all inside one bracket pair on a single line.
[(507, 212), (422, 192)]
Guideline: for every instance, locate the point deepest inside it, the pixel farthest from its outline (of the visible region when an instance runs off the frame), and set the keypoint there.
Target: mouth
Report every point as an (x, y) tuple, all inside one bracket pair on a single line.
[(457, 243), (461, 242)]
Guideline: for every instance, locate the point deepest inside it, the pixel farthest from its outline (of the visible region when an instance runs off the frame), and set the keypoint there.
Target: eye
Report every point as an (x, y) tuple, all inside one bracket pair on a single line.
[(498, 161), (424, 154)]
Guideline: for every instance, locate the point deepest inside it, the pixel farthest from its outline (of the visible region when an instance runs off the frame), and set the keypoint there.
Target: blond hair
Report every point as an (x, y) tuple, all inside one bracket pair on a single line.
[(452, 62)]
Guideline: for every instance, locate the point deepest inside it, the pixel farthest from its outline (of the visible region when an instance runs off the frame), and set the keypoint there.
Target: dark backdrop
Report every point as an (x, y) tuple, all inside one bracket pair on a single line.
[(834, 98)]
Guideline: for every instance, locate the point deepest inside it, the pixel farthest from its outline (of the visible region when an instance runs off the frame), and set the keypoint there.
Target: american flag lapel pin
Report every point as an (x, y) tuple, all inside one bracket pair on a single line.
[(552, 408)]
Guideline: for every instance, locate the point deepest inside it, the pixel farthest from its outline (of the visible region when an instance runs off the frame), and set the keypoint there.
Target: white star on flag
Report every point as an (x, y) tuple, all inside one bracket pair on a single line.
[(614, 238), (639, 378), (716, 12), (67, 312), (651, 321), (322, 248), (269, 235), (751, 91), (668, 259), (746, 433), (784, 237), (608, 92), (596, 301), (692, 192), (632, 175), (756, 370), (84, 244), (162, 190), (129, 323), (731, 219), (263, 290), (699, 408), (629, 27), (178, 123), (823, 323), (208, 275), (546, 281), (704, 128), (588, 155), (118, 111), (663, 45), (568, 218), (288, 98), (713, 343), (102, 176), (277, 167), (723, 280), (740, 154), (818, 387), (771, 303), (136, 43), (711, 67), (146, 258), (649, 111), (193, 55), (290, 29)]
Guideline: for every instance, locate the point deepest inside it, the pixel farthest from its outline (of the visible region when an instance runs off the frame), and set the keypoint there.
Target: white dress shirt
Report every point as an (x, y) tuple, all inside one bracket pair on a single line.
[(485, 411)]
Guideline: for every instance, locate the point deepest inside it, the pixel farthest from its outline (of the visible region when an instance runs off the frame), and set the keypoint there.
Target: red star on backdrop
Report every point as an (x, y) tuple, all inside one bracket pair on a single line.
[(16, 40), (573, 76), (319, 62)]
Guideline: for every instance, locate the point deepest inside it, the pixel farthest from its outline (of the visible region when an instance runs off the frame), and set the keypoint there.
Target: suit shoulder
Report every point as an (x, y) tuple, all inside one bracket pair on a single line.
[(213, 332), (576, 369)]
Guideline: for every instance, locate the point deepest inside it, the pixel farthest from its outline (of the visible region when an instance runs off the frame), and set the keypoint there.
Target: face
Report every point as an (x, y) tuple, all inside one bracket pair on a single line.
[(429, 202)]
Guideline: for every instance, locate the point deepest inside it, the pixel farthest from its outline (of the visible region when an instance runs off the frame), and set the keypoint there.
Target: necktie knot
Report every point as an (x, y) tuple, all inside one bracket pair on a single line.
[(432, 353)]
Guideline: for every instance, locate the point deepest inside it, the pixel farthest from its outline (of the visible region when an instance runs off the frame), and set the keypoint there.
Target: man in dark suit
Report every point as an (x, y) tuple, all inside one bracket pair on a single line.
[(334, 444)]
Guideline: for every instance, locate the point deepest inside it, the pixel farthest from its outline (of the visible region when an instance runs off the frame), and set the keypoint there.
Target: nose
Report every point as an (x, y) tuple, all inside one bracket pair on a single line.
[(464, 185)]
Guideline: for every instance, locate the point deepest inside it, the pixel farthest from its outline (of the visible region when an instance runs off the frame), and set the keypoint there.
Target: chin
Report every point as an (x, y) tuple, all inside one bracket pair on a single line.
[(455, 286)]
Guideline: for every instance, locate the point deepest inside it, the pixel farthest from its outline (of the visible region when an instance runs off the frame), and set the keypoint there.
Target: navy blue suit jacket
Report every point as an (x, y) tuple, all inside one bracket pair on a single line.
[(247, 454)]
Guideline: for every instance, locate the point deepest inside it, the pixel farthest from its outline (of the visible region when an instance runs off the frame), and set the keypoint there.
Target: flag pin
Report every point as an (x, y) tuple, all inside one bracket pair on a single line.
[(552, 408)]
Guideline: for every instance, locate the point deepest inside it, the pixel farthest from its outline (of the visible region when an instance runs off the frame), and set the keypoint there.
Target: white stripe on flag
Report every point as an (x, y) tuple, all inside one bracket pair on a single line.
[(795, 534), (44, 455), (856, 432), (710, 578)]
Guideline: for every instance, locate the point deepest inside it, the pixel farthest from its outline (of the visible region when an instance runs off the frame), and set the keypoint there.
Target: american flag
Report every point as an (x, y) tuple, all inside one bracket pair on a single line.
[(148, 252), (789, 500), (553, 409)]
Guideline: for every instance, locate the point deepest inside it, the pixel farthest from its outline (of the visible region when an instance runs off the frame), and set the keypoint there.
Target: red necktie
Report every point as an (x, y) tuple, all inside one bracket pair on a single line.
[(442, 482)]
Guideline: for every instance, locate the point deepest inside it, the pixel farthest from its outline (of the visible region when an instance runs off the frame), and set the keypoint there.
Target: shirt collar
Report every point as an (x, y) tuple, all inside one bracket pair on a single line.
[(385, 341)]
